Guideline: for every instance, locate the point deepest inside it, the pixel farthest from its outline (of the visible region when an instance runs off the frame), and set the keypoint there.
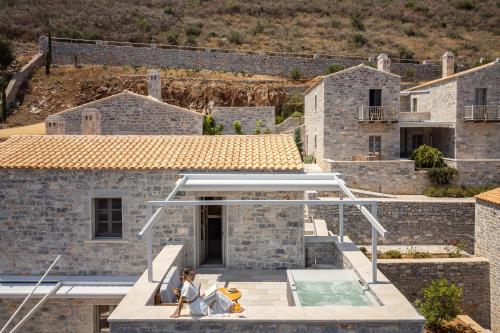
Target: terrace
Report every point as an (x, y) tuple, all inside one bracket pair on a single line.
[(378, 114), (482, 113)]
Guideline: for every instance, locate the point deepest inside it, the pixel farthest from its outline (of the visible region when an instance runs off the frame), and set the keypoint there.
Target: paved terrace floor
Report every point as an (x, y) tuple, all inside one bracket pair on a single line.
[(258, 288)]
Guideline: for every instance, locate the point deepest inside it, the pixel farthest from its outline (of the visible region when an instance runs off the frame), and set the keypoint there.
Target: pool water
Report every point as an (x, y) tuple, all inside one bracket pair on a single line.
[(336, 292)]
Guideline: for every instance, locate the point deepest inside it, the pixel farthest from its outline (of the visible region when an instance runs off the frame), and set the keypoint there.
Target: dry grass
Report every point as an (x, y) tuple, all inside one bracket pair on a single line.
[(427, 27)]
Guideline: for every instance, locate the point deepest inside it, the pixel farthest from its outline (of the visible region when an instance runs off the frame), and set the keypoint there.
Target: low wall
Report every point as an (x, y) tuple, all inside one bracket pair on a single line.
[(247, 116), (320, 250), (476, 172), (410, 276), (20, 78), (387, 176), (414, 116), (288, 124), (156, 55), (407, 222)]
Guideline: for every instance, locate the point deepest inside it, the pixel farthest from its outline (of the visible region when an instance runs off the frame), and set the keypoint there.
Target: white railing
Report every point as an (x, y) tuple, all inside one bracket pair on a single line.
[(482, 112), (377, 113)]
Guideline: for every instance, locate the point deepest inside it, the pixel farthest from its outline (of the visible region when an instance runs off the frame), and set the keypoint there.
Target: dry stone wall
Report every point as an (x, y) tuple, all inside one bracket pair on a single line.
[(481, 172), (410, 276), (247, 116), (64, 51), (289, 124), (20, 78)]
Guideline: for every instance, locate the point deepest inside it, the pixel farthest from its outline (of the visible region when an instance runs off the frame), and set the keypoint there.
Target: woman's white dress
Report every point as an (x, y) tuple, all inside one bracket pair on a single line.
[(198, 307)]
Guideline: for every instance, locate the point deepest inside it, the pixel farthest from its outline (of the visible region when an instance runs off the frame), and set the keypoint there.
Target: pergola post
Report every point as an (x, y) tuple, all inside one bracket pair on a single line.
[(374, 245), (341, 218), (149, 246)]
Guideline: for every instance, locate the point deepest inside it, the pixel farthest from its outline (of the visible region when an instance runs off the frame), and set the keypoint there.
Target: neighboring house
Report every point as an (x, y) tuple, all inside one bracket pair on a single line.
[(487, 244), (352, 114), (84, 197), (251, 118), (127, 113)]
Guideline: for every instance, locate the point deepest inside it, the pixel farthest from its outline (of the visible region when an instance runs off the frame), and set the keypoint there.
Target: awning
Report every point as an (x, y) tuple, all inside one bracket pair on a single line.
[(427, 124)]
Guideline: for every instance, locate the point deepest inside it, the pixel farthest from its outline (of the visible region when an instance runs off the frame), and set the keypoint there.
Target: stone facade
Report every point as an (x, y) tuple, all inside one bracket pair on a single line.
[(480, 172), (321, 251), (407, 223), (153, 55), (332, 111), (127, 113), (410, 276), (52, 214), (247, 116), (488, 245), (395, 177)]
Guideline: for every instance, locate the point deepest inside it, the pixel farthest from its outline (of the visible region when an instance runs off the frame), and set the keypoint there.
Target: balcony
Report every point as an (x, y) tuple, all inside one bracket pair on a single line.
[(482, 113), (378, 114)]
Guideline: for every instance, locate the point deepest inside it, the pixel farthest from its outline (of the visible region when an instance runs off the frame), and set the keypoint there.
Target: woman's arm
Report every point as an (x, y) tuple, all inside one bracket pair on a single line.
[(177, 312)]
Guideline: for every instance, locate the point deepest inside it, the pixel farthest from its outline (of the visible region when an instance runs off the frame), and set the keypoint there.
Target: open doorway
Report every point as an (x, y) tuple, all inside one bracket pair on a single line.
[(211, 231)]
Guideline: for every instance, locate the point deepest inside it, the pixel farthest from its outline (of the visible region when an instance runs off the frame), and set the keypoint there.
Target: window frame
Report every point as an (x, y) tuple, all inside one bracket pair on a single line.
[(413, 137), (370, 144), (414, 104), (484, 95), (97, 328), (109, 210)]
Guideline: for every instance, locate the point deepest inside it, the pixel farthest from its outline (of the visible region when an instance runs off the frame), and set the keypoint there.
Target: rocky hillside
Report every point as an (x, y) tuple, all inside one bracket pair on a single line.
[(421, 29)]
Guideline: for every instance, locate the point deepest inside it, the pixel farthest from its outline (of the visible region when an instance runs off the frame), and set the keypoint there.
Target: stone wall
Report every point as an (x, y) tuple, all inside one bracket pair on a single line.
[(154, 55), (321, 251), (314, 117), (129, 113), (410, 276), (20, 78), (415, 116), (247, 116), (289, 124), (408, 223), (476, 172), (488, 245), (395, 177), (52, 214), (61, 315), (441, 101)]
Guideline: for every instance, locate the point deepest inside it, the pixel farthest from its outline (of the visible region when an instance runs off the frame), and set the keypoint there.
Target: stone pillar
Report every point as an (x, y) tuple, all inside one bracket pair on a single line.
[(91, 122), (448, 60), (54, 125), (383, 63), (154, 84)]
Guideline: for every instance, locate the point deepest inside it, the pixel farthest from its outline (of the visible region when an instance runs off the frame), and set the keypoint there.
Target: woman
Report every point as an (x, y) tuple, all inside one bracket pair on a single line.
[(197, 306)]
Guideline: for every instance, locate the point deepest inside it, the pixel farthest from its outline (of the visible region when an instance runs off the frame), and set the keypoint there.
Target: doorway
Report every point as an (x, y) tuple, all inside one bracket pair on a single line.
[(210, 234)]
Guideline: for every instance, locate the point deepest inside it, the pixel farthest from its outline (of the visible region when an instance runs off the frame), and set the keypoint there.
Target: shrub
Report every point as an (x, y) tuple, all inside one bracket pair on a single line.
[(393, 254), (405, 53), (364, 250), (297, 114), (173, 37), (235, 37), (308, 159), (463, 4), (295, 74), (455, 251), (6, 55), (335, 24), (294, 104), (455, 191), (168, 11), (257, 29), (237, 127), (191, 40), (420, 255), (440, 302), (333, 68), (427, 157), (210, 127), (357, 21), (441, 176), (193, 29), (298, 139), (359, 39), (410, 72), (258, 127)]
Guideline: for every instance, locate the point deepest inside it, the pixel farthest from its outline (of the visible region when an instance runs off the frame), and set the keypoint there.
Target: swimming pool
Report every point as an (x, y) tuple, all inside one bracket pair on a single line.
[(327, 287)]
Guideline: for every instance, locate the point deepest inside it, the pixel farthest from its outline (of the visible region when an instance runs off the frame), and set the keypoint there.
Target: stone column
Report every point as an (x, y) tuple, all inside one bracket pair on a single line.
[(154, 84), (384, 63), (448, 61)]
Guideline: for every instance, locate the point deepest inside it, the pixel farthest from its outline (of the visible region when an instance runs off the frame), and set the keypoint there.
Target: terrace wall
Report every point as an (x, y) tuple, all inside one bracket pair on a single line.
[(410, 276), (479, 172), (153, 55), (247, 116)]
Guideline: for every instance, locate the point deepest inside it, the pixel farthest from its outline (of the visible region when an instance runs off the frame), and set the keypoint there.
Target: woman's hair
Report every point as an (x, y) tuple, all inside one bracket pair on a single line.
[(186, 271)]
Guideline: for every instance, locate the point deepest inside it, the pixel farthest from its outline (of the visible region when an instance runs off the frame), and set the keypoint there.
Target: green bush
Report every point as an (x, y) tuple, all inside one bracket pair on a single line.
[(210, 127), (463, 4), (405, 53), (357, 21), (6, 55), (409, 72), (392, 254), (456, 191), (193, 29), (441, 176), (143, 24), (308, 159), (427, 157), (440, 302), (235, 37), (333, 68), (295, 74), (364, 250), (173, 37), (168, 11), (297, 114), (420, 255), (237, 127), (257, 29), (258, 127), (359, 39), (298, 140)]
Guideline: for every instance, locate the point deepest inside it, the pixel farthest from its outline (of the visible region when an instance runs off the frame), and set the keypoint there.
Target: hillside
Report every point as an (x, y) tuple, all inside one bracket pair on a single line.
[(404, 29)]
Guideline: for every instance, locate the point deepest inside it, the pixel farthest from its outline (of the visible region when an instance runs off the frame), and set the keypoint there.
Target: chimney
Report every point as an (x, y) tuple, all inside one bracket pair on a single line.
[(448, 60), (154, 84), (383, 63)]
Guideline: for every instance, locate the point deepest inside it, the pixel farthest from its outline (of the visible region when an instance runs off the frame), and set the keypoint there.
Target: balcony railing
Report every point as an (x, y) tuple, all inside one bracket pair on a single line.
[(482, 113), (378, 113)]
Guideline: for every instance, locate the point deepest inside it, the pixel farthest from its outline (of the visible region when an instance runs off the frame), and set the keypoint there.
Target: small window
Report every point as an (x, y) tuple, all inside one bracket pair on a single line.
[(108, 217), (480, 97), (414, 104), (416, 141), (315, 142), (315, 102), (102, 313), (374, 144)]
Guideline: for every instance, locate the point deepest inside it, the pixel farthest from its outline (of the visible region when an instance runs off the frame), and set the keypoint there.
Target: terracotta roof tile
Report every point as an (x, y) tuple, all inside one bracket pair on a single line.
[(492, 196), (130, 152)]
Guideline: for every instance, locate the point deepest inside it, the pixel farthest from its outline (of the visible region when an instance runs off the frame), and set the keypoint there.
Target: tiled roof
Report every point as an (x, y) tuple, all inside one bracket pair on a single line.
[(492, 196), (89, 152)]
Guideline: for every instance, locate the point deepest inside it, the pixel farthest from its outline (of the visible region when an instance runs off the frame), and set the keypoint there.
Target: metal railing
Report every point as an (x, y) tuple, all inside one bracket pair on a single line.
[(482, 112), (377, 113)]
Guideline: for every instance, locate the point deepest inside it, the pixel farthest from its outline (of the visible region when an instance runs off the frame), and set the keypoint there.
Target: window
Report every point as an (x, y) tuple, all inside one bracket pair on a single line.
[(375, 97), (480, 97), (414, 104), (108, 218), (315, 102), (374, 144), (102, 313), (416, 141), (315, 142)]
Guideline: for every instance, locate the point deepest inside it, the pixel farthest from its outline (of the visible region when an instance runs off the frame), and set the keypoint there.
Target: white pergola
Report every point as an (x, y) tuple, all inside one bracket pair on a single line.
[(264, 182)]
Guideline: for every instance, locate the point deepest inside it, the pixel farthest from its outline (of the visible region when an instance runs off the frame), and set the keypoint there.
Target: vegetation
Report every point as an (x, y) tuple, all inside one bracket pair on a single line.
[(456, 191), (293, 107), (456, 249), (48, 59), (308, 159), (359, 40), (210, 127), (295, 74), (257, 29), (298, 140), (258, 127), (6, 55), (427, 157), (4, 102), (357, 21), (412, 253), (237, 127), (235, 37), (440, 302), (391, 254), (441, 176), (333, 68)]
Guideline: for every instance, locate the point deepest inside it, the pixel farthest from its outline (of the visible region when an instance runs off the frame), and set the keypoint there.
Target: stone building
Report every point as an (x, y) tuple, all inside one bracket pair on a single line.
[(487, 244), (85, 199), (127, 113), (253, 119)]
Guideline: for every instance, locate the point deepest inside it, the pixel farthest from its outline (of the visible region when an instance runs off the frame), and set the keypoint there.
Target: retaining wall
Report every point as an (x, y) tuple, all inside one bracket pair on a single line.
[(410, 276), (247, 116), (479, 172), (288, 124), (20, 78), (156, 55)]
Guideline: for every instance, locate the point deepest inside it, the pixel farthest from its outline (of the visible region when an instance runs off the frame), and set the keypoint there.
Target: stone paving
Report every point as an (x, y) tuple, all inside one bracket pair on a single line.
[(258, 288)]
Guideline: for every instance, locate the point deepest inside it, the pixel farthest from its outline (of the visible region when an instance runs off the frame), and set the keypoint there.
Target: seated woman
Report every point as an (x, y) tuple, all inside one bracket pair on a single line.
[(197, 305)]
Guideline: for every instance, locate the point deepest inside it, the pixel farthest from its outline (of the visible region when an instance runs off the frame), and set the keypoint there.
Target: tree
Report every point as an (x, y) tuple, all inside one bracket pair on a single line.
[(237, 127), (6, 55), (48, 60), (210, 127), (4, 103)]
